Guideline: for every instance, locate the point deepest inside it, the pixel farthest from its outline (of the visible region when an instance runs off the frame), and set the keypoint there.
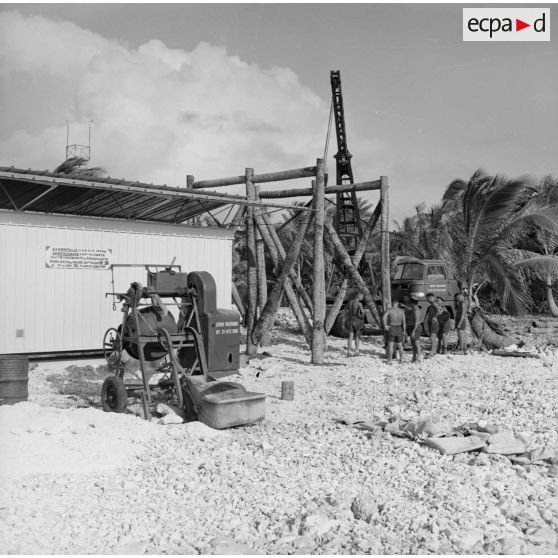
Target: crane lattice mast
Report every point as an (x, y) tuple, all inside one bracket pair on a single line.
[(347, 218)]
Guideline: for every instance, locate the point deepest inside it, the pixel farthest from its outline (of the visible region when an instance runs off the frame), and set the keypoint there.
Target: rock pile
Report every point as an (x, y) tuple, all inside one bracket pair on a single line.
[(298, 482)]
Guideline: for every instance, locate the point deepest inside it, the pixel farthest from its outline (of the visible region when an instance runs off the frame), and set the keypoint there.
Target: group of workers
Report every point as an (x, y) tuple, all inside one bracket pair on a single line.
[(403, 322)]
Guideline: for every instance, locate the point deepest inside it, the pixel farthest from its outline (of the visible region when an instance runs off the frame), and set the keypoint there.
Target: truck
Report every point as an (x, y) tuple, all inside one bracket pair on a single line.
[(417, 278)]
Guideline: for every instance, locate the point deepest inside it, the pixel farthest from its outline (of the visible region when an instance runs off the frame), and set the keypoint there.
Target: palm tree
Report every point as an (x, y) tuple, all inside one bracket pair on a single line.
[(544, 243), (75, 166), (492, 215)]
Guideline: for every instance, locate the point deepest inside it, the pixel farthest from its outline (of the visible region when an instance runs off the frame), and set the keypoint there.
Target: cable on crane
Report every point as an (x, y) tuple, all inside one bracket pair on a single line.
[(328, 132)]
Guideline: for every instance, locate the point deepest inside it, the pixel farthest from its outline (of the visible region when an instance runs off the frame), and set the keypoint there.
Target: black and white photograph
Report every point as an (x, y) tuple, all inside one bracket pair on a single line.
[(278, 279)]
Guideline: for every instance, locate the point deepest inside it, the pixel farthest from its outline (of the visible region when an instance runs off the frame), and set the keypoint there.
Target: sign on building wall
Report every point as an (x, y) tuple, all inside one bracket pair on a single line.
[(77, 258)]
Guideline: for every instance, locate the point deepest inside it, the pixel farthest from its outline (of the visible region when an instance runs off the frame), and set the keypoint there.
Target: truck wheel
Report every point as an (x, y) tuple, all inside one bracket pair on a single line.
[(113, 395), (339, 328)]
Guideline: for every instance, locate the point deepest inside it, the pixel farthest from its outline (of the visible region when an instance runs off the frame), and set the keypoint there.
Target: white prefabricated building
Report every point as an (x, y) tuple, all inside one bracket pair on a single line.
[(56, 270)]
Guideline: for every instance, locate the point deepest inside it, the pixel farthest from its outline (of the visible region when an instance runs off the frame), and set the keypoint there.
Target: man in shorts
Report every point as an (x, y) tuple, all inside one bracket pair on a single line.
[(395, 328), (355, 322), (413, 328), (431, 325), (461, 322), (444, 322)]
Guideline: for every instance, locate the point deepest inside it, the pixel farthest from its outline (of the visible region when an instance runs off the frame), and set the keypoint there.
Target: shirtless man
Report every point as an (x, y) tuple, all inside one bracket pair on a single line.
[(413, 328), (395, 327), (444, 321), (355, 322), (461, 321), (431, 325)]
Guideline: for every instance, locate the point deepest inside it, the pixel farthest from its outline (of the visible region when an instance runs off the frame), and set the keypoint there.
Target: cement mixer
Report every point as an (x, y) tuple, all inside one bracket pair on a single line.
[(202, 342)]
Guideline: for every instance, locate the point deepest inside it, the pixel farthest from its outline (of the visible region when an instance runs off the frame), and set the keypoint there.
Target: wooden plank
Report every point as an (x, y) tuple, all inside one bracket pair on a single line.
[(304, 172), (336, 189)]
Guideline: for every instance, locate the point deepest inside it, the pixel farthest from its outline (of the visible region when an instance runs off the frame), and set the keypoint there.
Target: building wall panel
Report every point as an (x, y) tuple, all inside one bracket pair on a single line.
[(66, 309)]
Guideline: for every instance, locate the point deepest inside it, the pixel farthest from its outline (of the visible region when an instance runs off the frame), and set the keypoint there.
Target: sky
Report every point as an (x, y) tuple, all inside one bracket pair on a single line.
[(209, 89)]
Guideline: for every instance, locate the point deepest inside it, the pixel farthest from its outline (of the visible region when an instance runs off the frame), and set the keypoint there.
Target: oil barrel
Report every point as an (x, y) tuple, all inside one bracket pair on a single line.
[(14, 379)]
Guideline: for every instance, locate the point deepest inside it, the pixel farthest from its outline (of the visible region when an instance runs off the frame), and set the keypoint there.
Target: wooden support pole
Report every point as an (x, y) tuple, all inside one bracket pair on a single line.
[(252, 273), (262, 276), (294, 276), (238, 300), (189, 181), (386, 279), (336, 189), (304, 172), (353, 272), (318, 293), (361, 248), (289, 292), (267, 317)]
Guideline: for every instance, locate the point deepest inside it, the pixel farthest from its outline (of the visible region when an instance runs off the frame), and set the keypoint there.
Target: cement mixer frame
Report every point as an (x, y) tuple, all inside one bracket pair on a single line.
[(163, 341)]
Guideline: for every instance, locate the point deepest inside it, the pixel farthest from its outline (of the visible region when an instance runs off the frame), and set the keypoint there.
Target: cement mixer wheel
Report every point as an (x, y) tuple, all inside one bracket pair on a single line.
[(112, 346), (113, 395)]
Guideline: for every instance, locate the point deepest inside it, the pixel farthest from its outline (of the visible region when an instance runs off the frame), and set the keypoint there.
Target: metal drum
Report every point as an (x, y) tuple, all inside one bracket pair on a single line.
[(14, 379), (151, 320)]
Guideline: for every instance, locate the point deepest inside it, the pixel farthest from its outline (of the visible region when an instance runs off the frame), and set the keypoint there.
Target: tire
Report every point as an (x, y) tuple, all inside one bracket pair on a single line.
[(339, 327), (113, 395)]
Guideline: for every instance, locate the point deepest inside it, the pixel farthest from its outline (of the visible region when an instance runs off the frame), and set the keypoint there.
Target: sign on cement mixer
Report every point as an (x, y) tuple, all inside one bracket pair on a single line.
[(77, 258)]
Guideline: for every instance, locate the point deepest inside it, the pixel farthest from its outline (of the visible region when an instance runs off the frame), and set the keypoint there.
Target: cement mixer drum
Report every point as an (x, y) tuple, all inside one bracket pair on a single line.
[(151, 320)]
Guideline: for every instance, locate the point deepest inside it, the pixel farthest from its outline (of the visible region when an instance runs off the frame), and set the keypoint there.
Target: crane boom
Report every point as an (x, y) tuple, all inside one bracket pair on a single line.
[(347, 218)]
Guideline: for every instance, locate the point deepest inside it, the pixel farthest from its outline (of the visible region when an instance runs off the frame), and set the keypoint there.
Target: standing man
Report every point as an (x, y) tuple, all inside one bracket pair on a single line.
[(355, 322), (444, 326), (395, 327), (431, 324), (461, 322), (413, 328)]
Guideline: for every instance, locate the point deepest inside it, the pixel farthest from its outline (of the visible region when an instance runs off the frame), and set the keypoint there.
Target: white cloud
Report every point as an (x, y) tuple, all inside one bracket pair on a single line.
[(159, 113)]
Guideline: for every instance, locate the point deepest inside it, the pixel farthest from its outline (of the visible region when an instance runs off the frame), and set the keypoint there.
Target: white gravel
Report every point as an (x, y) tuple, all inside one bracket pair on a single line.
[(76, 480)]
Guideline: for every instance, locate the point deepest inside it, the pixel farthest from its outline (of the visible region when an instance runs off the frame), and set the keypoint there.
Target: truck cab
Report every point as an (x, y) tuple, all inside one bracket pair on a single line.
[(420, 277)]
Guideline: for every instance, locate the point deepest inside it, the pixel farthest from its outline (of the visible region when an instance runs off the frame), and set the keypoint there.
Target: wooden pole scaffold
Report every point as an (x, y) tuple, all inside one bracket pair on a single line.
[(261, 235)]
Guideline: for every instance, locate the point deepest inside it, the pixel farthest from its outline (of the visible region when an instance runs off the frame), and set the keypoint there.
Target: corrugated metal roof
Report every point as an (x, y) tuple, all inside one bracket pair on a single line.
[(47, 192)]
